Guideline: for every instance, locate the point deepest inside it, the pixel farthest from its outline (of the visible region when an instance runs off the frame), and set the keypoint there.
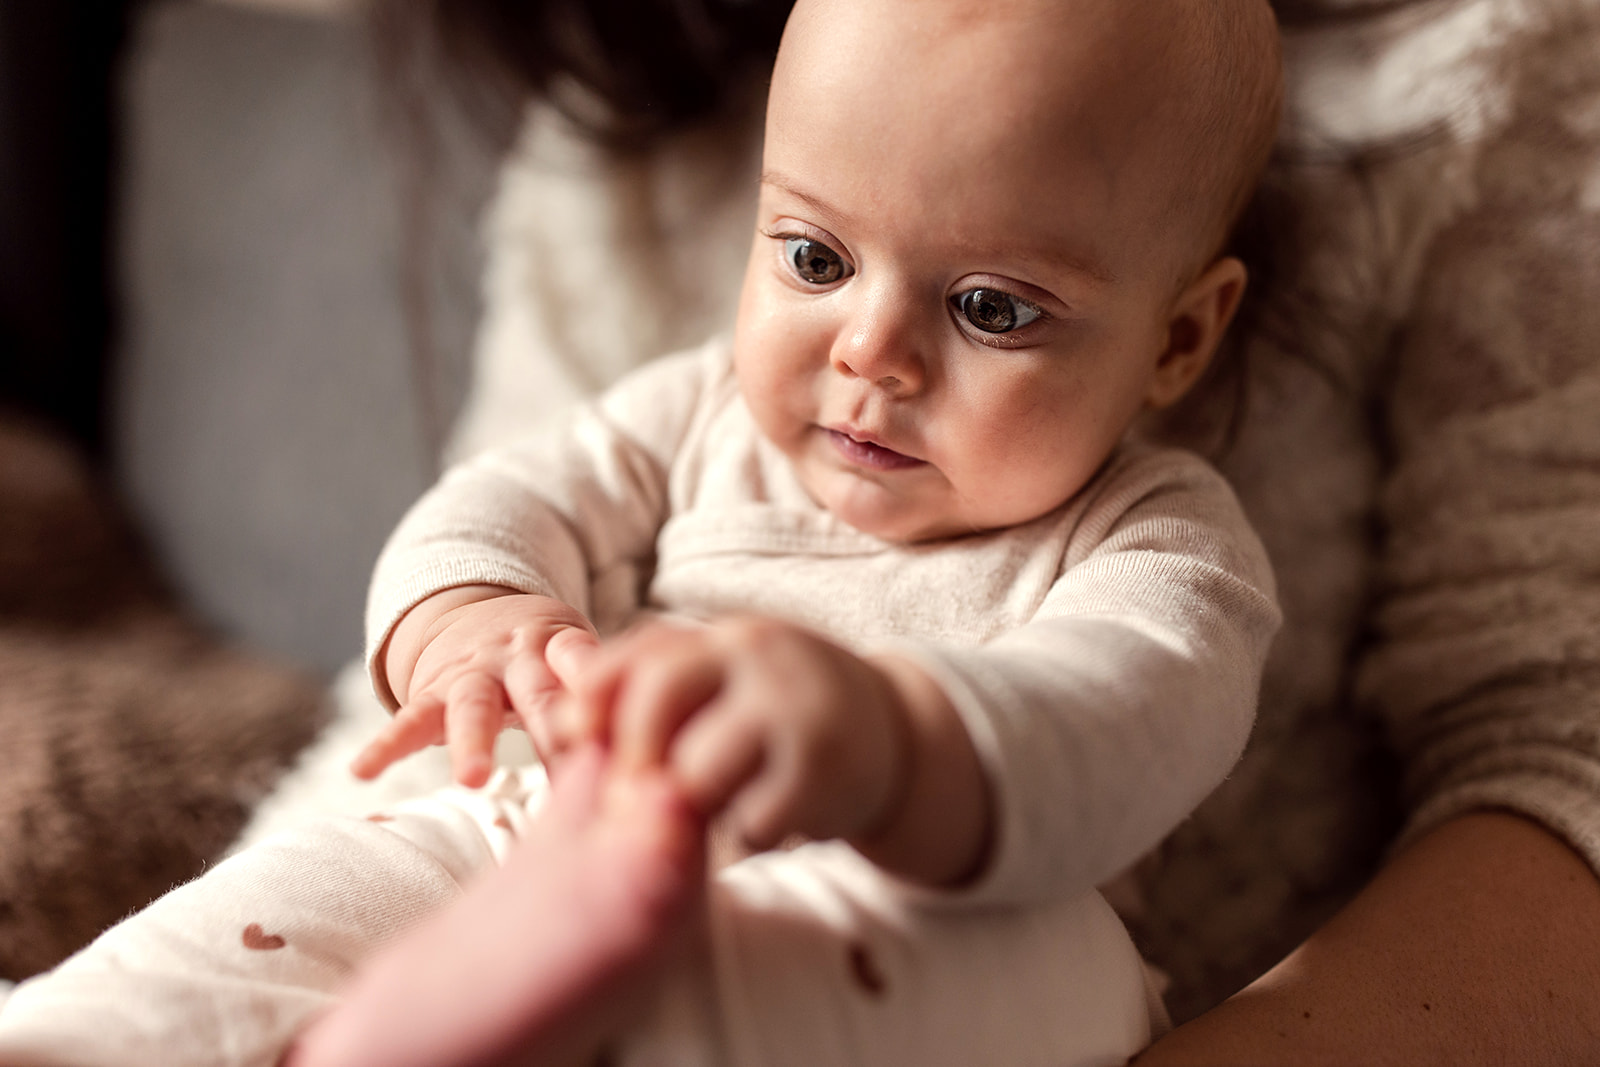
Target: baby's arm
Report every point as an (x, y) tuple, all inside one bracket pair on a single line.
[(465, 663), (790, 733), (572, 512), (940, 831), (1110, 715)]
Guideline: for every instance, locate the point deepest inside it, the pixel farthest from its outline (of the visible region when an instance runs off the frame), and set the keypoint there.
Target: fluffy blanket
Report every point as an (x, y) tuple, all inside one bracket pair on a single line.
[(135, 742)]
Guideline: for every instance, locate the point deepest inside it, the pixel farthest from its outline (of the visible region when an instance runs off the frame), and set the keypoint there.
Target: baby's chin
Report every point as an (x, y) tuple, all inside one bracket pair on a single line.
[(899, 522), (889, 516)]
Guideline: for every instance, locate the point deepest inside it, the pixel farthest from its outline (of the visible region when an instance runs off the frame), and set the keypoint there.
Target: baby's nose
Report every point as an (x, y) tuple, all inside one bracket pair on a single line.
[(886, 361)]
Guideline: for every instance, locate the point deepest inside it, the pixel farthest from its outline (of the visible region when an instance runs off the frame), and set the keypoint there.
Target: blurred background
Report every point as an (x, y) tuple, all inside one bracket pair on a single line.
[(208, 212), (239, 271), (237, 292)]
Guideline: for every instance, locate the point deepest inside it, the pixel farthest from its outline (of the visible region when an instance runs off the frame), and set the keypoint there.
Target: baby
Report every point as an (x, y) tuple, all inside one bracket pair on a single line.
[(880, 573), (987, 238), (1062, 178)]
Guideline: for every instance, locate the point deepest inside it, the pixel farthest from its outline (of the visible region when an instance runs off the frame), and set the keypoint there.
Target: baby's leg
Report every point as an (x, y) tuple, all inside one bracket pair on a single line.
[(544, 961), (227, 968), (811, 958), (820, 960)]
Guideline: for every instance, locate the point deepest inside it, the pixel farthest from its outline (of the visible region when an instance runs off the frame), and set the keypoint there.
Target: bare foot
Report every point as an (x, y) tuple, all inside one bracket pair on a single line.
[(545, 959)]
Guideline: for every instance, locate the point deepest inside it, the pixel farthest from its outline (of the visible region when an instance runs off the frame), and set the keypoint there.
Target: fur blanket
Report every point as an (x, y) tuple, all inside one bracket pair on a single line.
[(135, 743)]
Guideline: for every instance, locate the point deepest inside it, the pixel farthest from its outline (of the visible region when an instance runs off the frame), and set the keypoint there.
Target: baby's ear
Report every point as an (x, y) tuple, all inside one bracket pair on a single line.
[(1199, 317)]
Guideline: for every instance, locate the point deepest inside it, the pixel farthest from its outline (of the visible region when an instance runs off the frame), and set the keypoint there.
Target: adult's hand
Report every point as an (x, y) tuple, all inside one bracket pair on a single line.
[(1478, 944)]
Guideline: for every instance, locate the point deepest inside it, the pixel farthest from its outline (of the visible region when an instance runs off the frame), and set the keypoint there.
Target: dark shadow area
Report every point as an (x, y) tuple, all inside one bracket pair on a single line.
[(57, 149)]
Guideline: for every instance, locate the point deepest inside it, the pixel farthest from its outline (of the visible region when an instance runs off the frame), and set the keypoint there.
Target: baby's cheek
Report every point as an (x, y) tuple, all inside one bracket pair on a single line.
[(1020, 473), (779, 417)]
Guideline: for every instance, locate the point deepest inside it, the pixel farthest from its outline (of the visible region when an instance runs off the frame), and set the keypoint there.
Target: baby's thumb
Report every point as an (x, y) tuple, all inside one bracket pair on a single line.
[(568, 652)]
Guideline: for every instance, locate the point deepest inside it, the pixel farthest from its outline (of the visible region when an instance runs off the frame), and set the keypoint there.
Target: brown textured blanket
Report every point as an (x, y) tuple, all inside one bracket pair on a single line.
[(134, 741)]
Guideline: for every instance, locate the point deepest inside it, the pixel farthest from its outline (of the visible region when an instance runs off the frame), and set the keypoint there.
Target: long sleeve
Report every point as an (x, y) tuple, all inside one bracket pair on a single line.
[(571, 512), (1108, 718)]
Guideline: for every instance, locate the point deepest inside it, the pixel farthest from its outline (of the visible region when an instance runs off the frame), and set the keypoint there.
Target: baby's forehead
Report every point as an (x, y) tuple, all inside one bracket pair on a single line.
[(1153, 90), (1042, 42), (1090, 75)]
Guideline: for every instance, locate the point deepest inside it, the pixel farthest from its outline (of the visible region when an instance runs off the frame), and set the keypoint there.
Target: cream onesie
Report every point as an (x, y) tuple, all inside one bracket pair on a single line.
[(1104, 657)]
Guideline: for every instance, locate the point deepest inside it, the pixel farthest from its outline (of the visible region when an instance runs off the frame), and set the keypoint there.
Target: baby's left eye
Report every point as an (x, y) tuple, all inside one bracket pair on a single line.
[(995, 311)]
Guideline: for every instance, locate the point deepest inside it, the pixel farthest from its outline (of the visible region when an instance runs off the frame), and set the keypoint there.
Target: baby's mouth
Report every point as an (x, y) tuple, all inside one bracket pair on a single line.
[(870, 454)]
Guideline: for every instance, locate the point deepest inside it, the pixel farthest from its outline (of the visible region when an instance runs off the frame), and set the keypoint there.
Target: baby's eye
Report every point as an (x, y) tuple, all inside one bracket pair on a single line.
[(993, 311), (814, 262)]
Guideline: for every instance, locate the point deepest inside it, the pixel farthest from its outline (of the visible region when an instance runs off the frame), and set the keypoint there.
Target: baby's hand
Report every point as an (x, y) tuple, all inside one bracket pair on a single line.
[(785, 730), (481, 667)]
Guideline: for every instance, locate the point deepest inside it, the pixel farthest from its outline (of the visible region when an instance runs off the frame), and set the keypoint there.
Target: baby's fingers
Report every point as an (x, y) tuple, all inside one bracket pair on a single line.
[(538, 687), (532, 692), (413, 728), (475, 713), (666, 682), (716, 755), (569, 652)]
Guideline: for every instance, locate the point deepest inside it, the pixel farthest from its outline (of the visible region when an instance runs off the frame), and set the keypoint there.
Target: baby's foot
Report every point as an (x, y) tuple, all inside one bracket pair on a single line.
[(548, 957)]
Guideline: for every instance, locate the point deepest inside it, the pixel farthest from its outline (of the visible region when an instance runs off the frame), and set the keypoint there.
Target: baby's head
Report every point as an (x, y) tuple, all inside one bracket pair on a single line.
[(989, 234)]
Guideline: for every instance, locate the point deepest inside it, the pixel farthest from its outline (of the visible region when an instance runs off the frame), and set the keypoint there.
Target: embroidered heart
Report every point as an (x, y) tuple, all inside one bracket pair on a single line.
[(380, 817), (261, 941), (505, 824), (865, 970)]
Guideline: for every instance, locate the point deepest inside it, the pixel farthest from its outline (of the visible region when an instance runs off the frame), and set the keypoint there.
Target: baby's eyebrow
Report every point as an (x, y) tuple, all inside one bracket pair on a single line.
[(1057, 257), (1040, 255), (778, 181)]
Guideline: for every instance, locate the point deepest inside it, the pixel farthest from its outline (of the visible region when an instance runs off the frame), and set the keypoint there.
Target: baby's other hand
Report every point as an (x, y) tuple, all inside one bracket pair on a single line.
[(786, 731), (480, 667)]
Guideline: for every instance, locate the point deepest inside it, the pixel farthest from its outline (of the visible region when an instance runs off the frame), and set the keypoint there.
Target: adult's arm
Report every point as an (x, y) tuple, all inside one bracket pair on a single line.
[(1478, 944)]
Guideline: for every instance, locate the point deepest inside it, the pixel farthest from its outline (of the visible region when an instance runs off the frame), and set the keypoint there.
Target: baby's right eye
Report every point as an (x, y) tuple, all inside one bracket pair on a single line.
[(814, 262)]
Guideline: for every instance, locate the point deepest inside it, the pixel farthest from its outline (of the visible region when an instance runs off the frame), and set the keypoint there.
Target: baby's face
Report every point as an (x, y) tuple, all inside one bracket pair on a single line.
[(964, 272)]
